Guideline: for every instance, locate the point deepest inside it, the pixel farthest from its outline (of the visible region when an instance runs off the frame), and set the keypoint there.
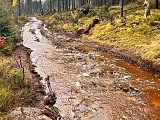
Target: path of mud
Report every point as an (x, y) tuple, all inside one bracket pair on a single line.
[(90, 84)]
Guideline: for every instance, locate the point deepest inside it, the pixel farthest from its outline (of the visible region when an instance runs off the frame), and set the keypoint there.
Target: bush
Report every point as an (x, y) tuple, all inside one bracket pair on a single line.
[(16, 79), (4, 99), (7, 32), (56, 16), (6, 50)]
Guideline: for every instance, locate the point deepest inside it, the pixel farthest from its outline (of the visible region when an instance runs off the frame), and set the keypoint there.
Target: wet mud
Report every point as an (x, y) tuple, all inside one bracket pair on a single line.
[(89, 83)]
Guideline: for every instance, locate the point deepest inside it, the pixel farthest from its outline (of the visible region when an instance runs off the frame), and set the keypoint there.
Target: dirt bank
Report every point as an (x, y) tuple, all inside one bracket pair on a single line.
[(22, 53), (20, 58)]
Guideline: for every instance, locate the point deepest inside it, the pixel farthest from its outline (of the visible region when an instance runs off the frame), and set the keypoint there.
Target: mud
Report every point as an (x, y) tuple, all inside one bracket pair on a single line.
[(88, 82), (38, 105)]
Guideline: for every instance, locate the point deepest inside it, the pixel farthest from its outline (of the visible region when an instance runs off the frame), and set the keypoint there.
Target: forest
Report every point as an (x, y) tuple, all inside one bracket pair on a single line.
[(79, 59)]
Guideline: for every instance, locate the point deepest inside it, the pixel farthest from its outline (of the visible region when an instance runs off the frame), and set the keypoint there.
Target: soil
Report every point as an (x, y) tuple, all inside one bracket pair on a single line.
[(38, 106), (23, 53)]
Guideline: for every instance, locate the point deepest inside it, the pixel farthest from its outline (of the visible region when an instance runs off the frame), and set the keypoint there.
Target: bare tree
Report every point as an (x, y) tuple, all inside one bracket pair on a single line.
[(21, 65)]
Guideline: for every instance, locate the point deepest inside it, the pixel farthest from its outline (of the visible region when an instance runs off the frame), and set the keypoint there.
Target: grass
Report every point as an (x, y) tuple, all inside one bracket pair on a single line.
[(141, 39)]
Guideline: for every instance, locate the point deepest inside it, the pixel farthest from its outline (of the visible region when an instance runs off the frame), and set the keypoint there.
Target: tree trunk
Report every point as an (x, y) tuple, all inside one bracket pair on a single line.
[(50, 6), (19, 8), (62, 5), (66, 5), (122, 2), (69, 4), (74, 5), (40, 3), (157, 4), (59, 6)]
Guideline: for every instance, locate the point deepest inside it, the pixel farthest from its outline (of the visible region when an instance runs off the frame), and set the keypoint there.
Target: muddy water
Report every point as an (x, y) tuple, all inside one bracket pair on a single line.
[(91, 85)]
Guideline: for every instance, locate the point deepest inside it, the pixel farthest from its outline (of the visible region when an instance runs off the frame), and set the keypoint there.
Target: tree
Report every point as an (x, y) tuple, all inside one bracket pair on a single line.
[(122, 2), (28, 6), (40, 4), (147, 8), (50, 5), (59, 5), (19, 7), (157, 4), (66, 4)]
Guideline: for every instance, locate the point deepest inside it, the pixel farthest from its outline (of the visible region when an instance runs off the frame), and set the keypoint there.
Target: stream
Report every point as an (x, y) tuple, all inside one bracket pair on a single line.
[(91, 84)]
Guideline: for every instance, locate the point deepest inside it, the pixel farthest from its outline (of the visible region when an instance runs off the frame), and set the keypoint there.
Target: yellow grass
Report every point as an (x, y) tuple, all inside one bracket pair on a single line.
[(142, 39)]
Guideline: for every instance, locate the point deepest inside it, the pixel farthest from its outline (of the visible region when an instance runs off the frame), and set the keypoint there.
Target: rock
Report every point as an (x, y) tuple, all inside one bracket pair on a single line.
[(32, 31), (37, 39), (123, 86), (25, 113), (50, 99), (44, 117), (126, 77), (31, 113), (85, 74), (78, 84)]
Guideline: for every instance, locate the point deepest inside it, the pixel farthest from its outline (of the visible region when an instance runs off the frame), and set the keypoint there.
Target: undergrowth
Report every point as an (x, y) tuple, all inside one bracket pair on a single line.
[(14, 89)]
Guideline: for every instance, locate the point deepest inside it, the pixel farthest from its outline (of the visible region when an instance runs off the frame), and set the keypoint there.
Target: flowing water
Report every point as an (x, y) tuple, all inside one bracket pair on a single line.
[(90, 84)]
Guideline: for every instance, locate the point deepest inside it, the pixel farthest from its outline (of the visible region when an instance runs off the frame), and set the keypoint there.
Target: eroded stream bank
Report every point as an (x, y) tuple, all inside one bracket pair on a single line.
[(90, 84)]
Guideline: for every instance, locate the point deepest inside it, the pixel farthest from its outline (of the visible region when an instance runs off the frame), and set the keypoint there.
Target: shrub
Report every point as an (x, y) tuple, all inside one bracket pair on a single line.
[(16, 79), (4, 99), (7, 32), (6, 50)]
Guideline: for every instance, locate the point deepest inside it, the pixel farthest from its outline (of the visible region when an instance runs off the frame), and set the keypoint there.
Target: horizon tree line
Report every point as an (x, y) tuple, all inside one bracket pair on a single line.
[(49, 6)]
